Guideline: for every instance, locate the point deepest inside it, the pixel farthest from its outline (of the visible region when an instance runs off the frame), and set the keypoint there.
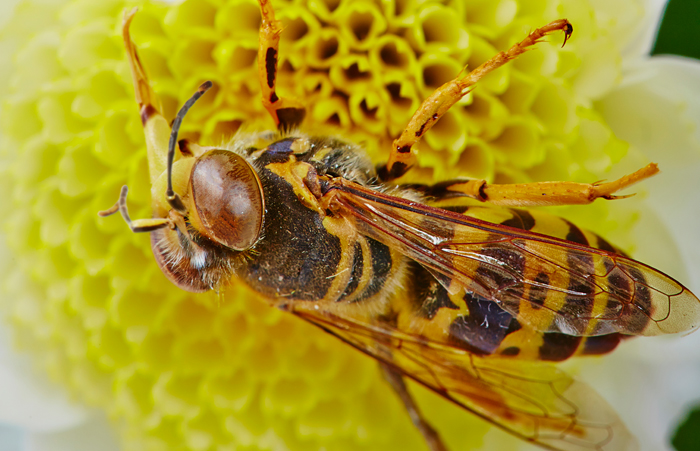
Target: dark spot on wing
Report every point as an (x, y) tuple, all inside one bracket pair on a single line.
[(538, 294)]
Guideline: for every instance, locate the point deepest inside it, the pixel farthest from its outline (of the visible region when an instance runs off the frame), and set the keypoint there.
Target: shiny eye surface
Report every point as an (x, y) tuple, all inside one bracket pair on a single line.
[(228, 199)]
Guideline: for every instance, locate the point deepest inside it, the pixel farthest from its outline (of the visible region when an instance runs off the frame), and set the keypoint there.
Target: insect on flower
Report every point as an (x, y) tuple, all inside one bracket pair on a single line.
[(475, 310)]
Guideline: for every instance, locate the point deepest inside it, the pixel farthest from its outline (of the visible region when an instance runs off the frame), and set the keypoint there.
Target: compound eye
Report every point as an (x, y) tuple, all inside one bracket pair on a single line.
[(228, 198)]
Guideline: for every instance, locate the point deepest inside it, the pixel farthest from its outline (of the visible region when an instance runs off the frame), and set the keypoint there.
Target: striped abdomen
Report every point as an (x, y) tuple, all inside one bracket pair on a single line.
[(486, 327)]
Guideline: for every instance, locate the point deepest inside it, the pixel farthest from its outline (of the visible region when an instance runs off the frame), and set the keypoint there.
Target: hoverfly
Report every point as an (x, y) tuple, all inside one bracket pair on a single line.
[(477, 311)]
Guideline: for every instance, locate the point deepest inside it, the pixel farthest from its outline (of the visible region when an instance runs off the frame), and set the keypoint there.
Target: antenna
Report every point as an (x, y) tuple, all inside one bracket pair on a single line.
[(173, 198)]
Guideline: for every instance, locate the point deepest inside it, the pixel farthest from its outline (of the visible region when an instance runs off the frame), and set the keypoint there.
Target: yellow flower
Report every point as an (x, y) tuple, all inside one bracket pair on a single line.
[(181, 371)]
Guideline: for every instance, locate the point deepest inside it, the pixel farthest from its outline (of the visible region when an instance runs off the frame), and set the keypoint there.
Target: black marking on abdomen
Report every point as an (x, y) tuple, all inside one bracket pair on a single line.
[(522, 219), (575, 234), (482, 331), (604, 245), (557, 346), (601, 344), (505, 275), (380, 256), (509, 262), (356, 274), (427, 294)]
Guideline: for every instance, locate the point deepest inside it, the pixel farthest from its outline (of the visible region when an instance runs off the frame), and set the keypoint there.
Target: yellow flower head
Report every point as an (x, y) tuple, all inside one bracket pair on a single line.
[(183, 371)]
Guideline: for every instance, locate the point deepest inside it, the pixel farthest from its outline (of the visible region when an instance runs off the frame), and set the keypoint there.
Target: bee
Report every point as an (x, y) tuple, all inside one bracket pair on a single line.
[(477, 311)]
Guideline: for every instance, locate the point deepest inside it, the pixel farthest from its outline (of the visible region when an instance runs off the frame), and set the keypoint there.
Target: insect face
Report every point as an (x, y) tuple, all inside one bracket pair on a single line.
[(196, 238), (223, 216)]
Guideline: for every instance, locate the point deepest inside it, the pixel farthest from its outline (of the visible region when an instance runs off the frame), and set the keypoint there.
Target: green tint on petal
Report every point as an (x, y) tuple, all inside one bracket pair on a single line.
[(229, 391), (555, 108), (193, 18), (519, 144), (84, 45), (39, 52), (21, 119)]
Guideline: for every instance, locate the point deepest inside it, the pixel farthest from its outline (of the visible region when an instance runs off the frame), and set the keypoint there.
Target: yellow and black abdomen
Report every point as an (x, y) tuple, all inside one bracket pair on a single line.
[(484, 327)]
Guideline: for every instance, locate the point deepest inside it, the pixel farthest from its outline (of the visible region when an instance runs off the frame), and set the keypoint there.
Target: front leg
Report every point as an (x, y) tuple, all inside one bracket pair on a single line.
[(287, 114)]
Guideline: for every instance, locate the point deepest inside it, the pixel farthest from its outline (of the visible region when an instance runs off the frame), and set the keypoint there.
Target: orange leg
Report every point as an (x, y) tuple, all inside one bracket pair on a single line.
[(402, 156), (538, 193), (286, 113)]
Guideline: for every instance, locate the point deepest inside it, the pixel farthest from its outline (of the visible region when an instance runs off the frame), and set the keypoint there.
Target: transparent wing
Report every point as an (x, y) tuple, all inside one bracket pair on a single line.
[(531, 400), (550, 284)]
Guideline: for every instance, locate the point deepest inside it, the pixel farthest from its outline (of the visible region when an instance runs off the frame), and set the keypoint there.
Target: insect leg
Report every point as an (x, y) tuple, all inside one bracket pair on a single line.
[(286, 113), (395, 379), (402, 155), (137, 225), (155, 126), (539, 193)]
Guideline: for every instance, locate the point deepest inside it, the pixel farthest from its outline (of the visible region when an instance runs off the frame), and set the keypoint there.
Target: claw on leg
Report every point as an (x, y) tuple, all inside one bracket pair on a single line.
[(402, 156)]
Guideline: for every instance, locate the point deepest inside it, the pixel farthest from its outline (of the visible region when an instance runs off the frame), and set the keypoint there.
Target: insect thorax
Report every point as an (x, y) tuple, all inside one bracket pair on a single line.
[(303, 254)]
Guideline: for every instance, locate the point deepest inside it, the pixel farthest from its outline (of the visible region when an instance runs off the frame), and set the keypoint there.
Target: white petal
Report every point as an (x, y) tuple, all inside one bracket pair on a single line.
[(652, 382), (643, 41), (658, 113), (93, 434), (29, 400)]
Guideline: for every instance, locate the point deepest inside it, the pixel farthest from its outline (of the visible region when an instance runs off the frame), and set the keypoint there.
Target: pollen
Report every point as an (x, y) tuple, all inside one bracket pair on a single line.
[(173, 370)]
